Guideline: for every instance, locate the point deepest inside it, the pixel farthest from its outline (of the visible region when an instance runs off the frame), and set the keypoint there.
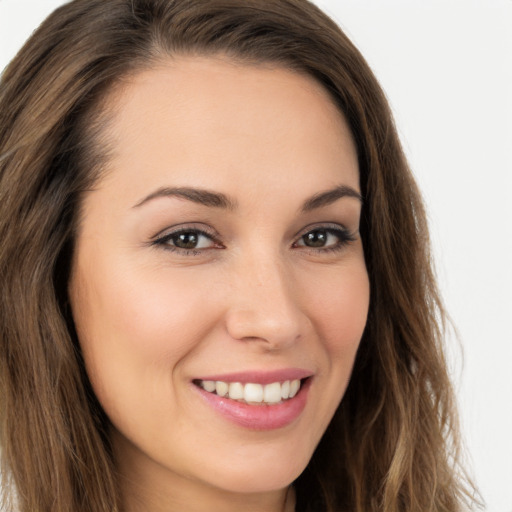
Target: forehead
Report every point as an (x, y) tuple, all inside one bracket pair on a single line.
[(209, 121)]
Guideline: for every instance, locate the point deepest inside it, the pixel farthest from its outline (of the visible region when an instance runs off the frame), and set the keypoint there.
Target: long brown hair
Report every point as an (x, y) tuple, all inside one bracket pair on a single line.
[(393, 443)]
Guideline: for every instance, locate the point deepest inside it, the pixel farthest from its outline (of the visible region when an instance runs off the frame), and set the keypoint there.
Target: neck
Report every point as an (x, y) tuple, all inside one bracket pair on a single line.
[(138, 497)]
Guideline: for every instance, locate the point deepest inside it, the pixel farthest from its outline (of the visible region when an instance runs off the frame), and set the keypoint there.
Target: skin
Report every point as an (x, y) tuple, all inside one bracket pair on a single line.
[(254, 296)]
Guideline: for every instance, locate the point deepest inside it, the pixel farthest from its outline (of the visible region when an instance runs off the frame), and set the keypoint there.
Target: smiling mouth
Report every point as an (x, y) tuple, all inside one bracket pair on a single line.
[(253, 393)]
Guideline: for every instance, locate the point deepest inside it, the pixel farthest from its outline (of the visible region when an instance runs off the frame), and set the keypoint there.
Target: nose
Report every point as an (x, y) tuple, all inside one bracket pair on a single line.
[(264, 305)]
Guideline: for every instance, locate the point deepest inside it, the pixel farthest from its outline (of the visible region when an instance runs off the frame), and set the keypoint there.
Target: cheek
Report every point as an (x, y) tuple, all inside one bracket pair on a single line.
[(135, 327), (139, 310), (159, 317), (338, 300), (341, 314), (341, 308)]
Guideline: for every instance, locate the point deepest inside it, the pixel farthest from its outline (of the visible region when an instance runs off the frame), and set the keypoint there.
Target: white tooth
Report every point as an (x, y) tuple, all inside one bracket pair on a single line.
[(272, 393), (221, 388), (208, 385), (285, 389), (236, 391), (253, 392), (294, 387)]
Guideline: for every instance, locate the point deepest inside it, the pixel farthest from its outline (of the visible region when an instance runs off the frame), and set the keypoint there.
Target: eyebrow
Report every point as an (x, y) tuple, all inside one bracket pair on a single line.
[(196, 195), (328, 197), (218, 200)]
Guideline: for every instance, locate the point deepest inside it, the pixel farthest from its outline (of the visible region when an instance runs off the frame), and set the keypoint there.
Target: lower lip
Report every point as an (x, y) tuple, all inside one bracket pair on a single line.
[(259, 417)]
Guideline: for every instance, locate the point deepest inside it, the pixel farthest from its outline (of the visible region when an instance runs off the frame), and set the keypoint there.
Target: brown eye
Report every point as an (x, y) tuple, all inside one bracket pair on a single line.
[(317, 238), (188, 240), (325, 238)]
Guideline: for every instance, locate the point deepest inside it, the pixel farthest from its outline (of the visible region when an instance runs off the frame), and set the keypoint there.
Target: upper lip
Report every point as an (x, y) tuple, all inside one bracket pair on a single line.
[(261, 376)]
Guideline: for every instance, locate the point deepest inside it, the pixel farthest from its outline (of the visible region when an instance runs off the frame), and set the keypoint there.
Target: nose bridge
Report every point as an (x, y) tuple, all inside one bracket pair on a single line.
[(263, 305)]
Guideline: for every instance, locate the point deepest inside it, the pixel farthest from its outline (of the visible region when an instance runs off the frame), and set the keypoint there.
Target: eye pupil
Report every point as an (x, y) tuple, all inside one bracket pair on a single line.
[(186, 240), (316, 238)]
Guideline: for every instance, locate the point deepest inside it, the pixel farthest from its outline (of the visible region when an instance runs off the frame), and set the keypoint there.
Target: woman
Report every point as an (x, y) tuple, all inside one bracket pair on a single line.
[(216, 284)]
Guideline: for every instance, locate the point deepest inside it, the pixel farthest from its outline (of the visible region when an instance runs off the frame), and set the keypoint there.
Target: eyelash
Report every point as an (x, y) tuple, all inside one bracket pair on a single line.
[(164, 240), (343, 235)]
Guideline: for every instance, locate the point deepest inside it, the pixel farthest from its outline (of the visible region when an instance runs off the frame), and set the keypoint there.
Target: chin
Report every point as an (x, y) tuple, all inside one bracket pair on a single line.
[(257, 478)]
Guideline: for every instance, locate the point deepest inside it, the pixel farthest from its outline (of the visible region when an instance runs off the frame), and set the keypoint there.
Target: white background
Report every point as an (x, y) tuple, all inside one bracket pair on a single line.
[(446, 66)]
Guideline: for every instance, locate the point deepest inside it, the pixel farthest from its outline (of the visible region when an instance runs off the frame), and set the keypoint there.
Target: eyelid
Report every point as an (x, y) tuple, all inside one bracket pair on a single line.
[(180, 228), (333, 226)]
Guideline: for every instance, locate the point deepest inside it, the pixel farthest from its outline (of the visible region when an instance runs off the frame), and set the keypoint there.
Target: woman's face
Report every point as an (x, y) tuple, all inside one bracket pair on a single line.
[(220, 253)]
